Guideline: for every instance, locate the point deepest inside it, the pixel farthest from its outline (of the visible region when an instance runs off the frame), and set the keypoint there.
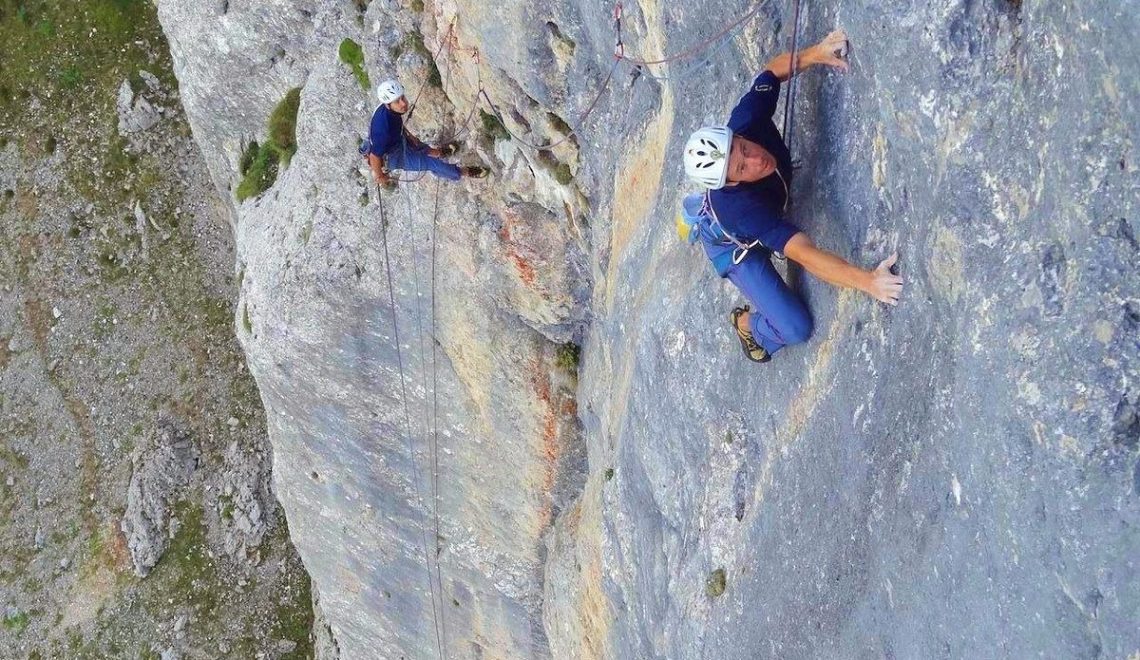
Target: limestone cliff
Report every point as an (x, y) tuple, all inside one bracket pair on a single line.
[(955, 477)]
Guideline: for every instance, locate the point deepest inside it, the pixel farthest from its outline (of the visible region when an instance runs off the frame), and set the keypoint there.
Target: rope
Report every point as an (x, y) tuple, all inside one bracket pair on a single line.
[(573, 130), (428, 425), (475, 103), (435, 409), (687, 71), (619, 52), (451, 39), (435, 57), (792, 77), (407, 420)]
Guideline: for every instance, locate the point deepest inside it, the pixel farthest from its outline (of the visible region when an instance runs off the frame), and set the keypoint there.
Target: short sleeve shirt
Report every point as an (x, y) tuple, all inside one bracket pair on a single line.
[(752, 211), (385, 131)]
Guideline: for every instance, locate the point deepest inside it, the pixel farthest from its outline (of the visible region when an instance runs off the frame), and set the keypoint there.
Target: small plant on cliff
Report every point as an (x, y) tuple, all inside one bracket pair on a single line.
[(493, 129), (716, 583), (353, 55), (568, 356), (261, 163)]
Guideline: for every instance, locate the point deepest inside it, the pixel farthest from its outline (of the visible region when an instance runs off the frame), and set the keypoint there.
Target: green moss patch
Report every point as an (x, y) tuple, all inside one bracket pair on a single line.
[(353, 55), (16, 623), (493, 128), (559, 170), (567, 356), (716, 583), (260, 163)]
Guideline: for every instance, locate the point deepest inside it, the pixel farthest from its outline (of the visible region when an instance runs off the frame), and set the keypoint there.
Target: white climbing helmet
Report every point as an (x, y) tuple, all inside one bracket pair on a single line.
[(706, 156), (389, 91)]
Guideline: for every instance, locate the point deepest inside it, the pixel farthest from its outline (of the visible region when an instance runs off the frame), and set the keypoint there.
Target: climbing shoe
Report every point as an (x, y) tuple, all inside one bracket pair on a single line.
[(449, 149), (753, 350), (475, 172)]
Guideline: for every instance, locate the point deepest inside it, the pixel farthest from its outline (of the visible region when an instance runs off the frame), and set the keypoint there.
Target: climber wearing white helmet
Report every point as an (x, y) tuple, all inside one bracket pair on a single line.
[(390, 145), (746, 169)]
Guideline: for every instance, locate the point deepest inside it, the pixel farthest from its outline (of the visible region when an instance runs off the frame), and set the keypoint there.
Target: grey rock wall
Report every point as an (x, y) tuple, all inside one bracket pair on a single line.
[(945, 479), (955, 477)]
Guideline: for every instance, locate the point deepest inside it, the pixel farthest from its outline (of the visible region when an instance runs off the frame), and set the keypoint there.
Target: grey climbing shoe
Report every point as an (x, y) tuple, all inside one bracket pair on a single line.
[(753, 350)]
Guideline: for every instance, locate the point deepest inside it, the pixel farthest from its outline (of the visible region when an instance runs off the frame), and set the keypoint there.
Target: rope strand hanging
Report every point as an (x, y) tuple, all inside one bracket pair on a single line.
[(408, 423)]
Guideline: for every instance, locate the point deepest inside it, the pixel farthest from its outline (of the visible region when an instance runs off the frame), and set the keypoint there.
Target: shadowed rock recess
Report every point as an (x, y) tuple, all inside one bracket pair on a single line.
[(954, 477)]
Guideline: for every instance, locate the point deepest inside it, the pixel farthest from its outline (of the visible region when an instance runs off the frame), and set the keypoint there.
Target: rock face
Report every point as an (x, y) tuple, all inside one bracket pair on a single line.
[(161, 470), (946, 478)]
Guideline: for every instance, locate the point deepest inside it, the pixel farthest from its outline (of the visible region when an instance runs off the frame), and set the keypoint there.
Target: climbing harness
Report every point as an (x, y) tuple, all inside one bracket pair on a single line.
[(741, 250)]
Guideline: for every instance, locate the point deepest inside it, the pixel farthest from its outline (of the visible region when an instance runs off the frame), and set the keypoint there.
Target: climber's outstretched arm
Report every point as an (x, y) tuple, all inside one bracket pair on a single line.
[(881, 284), (825, 52)]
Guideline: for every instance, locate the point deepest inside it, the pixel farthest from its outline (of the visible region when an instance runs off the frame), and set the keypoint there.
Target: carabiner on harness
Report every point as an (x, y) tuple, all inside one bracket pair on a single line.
[(742, 248)]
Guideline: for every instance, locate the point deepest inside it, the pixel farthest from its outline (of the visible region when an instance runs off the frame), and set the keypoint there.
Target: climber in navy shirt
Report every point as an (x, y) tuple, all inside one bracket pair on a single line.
[(391, 145), (746, 169)]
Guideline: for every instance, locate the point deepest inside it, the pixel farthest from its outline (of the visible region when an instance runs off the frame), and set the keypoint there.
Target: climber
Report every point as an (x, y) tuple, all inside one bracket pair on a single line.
[(389, 144), (746, 169)]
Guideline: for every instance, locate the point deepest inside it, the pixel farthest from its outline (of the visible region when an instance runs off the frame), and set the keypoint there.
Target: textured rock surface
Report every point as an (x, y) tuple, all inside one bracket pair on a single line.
[(161, 471), (117, 293), (954, 477)]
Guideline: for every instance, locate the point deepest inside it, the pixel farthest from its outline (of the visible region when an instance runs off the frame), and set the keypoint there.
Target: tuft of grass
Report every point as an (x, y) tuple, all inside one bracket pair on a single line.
[(716, 583), (559, 170), (568, 356), (283, 125), (609, 474), (192, 573), (353, 55), (16, 623), (493, 128), (228, 508), (248, 157), (416, 5), (70, 77), (260, 164), (259, 171), (245, 322), (562, 174)]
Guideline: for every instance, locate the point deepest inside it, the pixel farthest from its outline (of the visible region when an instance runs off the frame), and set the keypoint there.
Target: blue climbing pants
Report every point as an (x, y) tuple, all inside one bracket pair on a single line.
[(412, 159), (779, 318)]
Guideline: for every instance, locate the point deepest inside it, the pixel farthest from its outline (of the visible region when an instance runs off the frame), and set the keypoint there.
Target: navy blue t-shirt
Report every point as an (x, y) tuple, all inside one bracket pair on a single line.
[(385, 131), (751, 211)]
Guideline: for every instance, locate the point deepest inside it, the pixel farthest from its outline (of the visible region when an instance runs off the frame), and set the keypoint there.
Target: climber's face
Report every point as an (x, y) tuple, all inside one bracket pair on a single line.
[(399, 106), (748, 161)]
